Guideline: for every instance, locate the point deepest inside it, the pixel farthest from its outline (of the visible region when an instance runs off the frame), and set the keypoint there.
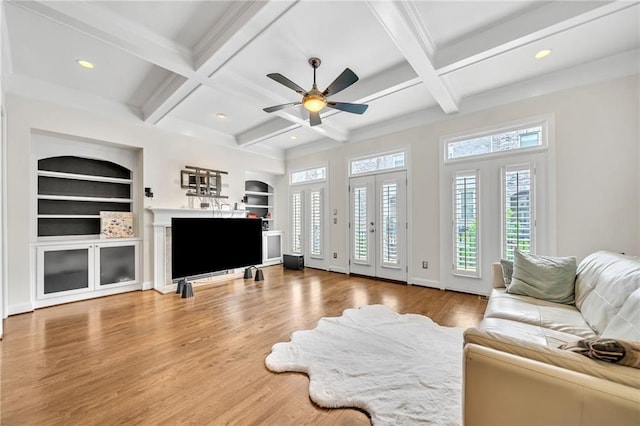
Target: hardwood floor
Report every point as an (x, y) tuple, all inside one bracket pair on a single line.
[(147, 358)]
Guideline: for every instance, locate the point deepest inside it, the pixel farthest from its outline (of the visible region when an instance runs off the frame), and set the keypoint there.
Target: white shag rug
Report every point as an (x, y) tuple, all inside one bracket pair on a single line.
[(400, 369)]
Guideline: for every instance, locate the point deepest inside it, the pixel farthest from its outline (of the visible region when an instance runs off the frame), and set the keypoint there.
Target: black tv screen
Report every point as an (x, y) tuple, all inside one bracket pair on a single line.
[(203, 245)]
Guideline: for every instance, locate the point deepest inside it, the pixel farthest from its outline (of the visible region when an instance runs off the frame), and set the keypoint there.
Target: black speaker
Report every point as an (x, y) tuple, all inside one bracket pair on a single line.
[(293, 261)]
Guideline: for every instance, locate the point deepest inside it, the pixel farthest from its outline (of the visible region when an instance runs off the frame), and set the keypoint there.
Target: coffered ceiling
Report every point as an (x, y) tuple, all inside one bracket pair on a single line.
[(180, 65)]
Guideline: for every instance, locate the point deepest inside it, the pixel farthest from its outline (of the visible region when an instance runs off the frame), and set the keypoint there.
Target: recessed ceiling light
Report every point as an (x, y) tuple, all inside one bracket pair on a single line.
[(543, 53), (85, 64), (221, 115), (294, 137)]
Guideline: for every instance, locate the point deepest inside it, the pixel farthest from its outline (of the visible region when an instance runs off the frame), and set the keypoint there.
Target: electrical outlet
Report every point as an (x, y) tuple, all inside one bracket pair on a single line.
[(425, 264), (335, 255), (335, 220)]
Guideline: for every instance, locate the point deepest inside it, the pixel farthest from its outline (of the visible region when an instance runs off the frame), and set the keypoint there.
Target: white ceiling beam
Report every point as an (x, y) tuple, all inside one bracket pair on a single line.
[(165, 98), (242, 23), (401, 23), (326, 130), (537, 24), (263, 131)]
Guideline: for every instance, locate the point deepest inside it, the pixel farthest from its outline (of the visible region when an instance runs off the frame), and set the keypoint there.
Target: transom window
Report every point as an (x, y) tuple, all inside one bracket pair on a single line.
[(530, 136), (309, 175), (394, 160)]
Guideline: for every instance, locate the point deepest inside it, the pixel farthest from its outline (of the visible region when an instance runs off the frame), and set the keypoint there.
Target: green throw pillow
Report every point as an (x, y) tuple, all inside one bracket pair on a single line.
[(543, 277)]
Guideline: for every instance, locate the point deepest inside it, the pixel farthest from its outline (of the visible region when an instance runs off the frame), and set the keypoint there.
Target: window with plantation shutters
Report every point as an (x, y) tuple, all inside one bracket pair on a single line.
[(360, 240), (315, 241), (390, 223), (465, 223), (296, 222), (518, 209)]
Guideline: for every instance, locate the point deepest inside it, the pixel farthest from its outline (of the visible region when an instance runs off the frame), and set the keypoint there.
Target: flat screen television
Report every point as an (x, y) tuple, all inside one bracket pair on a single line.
[(200, 246)]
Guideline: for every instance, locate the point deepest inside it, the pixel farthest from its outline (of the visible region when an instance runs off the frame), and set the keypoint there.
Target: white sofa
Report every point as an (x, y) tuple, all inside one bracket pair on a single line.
[(516, 374)]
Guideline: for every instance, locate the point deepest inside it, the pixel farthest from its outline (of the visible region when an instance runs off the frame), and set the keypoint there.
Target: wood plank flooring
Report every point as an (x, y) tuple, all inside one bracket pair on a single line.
[(147, 358)]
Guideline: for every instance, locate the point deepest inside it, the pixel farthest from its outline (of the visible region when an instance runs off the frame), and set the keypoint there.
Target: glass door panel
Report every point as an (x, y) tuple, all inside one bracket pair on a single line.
[(64, 270), (117, 264)]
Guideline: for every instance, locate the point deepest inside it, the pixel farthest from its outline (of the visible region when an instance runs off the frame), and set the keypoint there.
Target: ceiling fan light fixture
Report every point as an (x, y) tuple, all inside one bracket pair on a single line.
[(314, 102)]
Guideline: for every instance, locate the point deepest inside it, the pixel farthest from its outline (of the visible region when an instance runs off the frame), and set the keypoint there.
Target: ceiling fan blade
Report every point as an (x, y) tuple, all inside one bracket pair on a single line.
[(344, 80), (314, 118), (286, 82), (279, 107), (344, 106)]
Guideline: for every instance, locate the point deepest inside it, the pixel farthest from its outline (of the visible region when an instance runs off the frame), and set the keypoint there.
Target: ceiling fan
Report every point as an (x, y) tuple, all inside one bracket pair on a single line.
[(314, 100)]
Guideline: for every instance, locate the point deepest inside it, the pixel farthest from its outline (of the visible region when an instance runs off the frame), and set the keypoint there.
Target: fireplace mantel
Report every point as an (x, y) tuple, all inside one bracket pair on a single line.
[(161, 221)]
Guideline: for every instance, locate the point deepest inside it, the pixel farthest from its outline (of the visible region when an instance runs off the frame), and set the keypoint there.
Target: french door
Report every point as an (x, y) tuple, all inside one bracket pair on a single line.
[(308, 231), (378, 225)]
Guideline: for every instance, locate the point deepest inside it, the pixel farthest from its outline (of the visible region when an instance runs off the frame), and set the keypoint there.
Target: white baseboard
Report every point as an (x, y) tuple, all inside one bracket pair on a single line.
[(338, 269), (425, 283), (19, 309), (85, 296), (167, 289), (147, 285), (466, 290)]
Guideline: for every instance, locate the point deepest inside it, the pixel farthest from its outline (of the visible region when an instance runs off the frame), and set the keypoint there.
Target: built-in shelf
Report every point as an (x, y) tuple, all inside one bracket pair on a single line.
[(76, 176), (72, 261), (72, 191), (266, 194), (76, 198), (258, 198), (68, 216)]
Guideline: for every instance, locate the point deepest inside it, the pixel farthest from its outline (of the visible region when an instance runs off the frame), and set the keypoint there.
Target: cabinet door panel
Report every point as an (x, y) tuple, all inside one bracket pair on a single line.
[(65, 270), (117, 264)]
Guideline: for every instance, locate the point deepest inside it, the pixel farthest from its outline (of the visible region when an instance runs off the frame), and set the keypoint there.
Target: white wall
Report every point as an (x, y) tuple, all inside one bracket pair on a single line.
[(163, 154), (3, 64), (598, 173)]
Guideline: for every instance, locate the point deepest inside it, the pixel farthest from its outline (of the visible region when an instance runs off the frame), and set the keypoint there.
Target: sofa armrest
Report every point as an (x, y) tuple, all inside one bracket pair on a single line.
[(568, 360), (497, 277), (500, 388)]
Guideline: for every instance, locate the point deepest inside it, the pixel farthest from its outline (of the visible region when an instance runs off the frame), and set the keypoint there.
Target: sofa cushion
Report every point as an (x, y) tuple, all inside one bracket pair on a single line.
[(625, 324), (554, 356), (543, 277), (604, 282), (528, 332), (529, 310)]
